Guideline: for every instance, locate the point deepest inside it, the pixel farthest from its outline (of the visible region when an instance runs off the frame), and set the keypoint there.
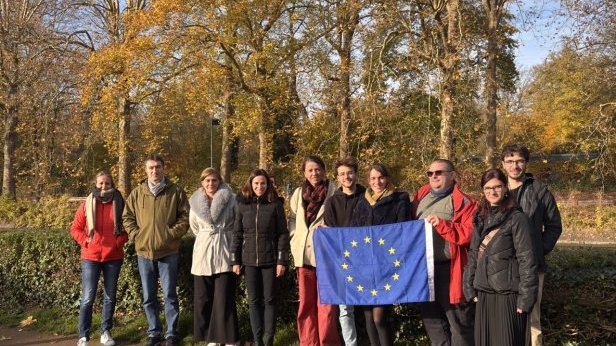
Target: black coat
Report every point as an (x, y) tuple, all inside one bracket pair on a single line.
[(538, 203), (260, 234), (390, 209), (508, 262), (340, 206)]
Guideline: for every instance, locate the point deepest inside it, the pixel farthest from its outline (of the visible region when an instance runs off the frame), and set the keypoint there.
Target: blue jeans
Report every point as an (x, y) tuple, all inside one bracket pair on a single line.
[(347, 324), (90, 273), (166, 269)]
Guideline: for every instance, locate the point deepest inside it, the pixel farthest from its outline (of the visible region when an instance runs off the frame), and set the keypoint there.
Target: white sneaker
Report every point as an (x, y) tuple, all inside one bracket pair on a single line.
[(106, 339), (82, 342)]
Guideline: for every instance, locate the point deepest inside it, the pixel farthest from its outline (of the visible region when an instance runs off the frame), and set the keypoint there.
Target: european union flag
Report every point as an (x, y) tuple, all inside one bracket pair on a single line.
[(375, 265)]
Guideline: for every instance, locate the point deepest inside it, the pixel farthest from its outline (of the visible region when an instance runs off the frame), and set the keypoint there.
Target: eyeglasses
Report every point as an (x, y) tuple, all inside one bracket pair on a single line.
[(436, 173), (515, 162), (346, 174), (497, 188)]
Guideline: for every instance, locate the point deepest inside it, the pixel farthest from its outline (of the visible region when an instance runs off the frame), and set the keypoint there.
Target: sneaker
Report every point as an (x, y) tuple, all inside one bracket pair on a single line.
[(173, 341), (152, 341), (106, 339), (82, 341)]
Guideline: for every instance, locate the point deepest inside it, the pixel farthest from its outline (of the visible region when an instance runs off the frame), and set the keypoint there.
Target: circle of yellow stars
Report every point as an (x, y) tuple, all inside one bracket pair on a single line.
[(396, 263)]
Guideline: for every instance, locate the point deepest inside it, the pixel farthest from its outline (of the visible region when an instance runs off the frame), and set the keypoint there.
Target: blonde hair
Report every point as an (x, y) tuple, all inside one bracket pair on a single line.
[(210, 171)]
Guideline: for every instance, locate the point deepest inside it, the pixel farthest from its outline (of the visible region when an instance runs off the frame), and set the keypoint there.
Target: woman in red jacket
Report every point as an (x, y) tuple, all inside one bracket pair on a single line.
[(97, 228)]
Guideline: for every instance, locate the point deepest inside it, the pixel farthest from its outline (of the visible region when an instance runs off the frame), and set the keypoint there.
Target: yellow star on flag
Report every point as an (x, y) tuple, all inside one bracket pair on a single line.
[(392, 251), (373, 292), (387, 287), (347, 253), (349, 278), (396, 263), (360, 288), (395, 276), (367, 240), (381, 241), (345, 266), (354, 243)]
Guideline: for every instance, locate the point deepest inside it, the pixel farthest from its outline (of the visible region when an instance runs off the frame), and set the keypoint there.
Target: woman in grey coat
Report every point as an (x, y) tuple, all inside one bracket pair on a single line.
[(212, 213)]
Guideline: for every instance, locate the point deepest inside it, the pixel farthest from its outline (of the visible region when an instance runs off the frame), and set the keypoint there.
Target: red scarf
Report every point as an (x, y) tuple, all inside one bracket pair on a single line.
[(313, 198)]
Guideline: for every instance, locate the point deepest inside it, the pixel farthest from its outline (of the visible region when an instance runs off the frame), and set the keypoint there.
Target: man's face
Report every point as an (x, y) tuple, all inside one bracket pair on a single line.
[(515, 166), (440, 177), (154, 170), (346, 176)]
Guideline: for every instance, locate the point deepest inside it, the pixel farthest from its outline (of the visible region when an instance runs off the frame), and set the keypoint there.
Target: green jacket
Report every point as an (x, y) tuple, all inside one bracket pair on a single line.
[(156, 224)]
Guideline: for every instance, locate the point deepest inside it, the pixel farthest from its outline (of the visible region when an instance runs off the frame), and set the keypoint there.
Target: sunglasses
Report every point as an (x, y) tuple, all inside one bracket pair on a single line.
[(436, 173)]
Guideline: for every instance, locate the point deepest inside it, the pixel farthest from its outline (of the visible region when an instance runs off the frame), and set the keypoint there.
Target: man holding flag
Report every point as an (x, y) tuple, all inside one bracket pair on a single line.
[(448, 320)]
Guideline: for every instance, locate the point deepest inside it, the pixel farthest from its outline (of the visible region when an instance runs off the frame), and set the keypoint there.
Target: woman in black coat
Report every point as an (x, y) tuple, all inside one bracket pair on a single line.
[(501, 273), (261, 245), (381, 205)]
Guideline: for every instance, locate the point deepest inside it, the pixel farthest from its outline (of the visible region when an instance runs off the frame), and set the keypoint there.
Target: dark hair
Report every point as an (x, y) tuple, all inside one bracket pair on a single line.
[(100, 174), (314, 159), (508, 203), (512, 149), (447, 163), (155, 157), (380, 168), (248, 194), (348, 162)]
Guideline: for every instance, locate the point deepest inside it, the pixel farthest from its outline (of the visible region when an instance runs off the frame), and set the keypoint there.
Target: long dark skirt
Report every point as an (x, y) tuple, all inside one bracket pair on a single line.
[(498, 323), (215, 313)]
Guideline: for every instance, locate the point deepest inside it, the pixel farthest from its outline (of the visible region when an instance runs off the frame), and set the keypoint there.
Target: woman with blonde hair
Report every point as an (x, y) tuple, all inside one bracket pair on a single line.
[(212, 215)]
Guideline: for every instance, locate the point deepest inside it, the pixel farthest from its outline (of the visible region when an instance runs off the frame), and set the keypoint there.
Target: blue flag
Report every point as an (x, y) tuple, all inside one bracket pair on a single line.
[(375, 265)]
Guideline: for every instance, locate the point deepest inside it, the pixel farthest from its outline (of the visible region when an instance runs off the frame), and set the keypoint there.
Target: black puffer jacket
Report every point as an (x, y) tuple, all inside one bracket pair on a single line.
[(538, 203), (390, 209), (340, 206), (260, 235), (508, 262)]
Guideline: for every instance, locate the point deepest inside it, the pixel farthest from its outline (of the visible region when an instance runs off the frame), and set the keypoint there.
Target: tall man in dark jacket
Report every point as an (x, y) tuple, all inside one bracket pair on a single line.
[(449, 319), (156, 218), (540, 206), (338, 212)]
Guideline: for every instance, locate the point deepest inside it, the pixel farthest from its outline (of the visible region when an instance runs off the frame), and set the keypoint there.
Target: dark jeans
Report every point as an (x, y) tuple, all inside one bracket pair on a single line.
[(90, 273), (447, 324), (165, 269), (260, 283)]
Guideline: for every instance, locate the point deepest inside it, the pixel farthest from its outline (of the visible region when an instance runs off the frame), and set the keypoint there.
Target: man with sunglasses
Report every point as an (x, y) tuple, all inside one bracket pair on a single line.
[(449, 320), (538, 203)]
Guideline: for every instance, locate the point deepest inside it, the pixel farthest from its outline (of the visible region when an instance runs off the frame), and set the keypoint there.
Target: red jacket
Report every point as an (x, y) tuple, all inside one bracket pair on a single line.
[(458, 233), (104, 246)]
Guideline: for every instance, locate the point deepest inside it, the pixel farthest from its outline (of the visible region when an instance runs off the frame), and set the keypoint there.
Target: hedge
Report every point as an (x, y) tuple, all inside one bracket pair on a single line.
[(40, 268)]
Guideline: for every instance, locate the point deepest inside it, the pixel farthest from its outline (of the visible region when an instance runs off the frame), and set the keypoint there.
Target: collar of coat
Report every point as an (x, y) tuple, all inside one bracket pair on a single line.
[(210, 212)]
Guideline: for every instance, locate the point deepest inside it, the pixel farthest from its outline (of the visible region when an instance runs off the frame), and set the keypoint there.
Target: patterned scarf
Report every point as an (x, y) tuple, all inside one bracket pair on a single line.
[(313, 198), (156, 189)]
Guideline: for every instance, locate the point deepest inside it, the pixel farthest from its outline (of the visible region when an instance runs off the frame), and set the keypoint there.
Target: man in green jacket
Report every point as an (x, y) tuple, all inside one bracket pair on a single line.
[(156, 218)]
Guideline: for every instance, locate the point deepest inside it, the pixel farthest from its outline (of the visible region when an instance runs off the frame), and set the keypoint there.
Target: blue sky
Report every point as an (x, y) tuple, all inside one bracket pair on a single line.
[(540, 27)]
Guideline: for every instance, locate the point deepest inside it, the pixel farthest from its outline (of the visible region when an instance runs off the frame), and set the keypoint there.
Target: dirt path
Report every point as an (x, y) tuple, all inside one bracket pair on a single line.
[(16, 336)]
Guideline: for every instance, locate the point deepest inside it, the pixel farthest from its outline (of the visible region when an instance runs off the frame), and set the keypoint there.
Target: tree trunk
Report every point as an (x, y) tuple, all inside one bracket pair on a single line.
[(493, 10), (344, 111), (447, 114), (225, 155), (124, 168), (10, 145)]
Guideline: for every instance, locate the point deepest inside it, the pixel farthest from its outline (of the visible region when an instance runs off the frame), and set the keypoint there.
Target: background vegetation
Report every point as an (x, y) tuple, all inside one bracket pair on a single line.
[(40, 270)]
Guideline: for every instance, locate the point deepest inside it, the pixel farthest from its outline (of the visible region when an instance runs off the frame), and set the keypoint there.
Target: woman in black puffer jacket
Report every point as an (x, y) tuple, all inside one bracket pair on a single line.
[(501, 273), (381, 205), (261, 244)]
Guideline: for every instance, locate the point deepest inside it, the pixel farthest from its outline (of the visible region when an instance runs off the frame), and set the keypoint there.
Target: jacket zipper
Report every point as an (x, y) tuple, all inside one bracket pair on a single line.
[(257, 232)]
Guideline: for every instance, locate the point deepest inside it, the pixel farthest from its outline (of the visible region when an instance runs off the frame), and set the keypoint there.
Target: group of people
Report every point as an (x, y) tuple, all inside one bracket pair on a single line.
[(488, 255)]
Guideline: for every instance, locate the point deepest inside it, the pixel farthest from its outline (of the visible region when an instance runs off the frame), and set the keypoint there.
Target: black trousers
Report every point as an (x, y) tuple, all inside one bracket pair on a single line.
[(215, 313), (260, 284), (447, 324)]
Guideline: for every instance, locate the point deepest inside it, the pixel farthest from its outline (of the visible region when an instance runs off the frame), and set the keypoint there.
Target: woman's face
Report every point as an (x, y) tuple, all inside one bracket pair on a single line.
[(494, 191), (377, 181), (210, 184), (314, 173), (259, 185), (103, 182)]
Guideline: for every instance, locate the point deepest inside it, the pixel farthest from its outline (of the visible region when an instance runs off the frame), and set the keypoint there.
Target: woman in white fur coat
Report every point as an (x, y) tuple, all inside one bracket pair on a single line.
[(212, 213)]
